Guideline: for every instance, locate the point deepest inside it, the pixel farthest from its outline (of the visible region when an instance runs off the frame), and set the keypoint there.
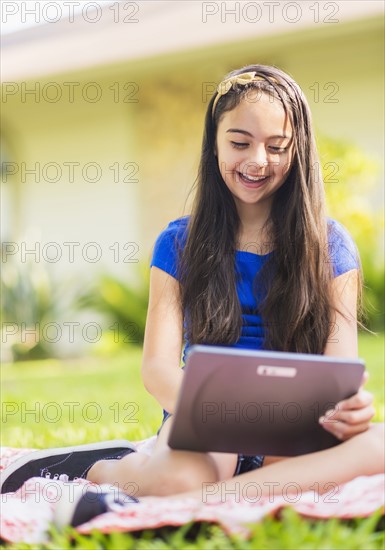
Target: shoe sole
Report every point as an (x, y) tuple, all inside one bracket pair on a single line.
[(35, 455)]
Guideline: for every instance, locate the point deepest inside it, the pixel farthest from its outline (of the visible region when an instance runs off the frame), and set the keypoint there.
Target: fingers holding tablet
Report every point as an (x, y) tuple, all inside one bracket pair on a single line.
[(350, 416)]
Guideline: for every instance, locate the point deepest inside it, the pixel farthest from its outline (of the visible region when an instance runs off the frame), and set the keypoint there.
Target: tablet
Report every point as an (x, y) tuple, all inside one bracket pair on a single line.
[(256, 402)]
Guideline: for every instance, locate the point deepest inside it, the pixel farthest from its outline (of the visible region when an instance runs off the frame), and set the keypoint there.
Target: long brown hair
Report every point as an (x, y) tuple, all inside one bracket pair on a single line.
[(295, 281)]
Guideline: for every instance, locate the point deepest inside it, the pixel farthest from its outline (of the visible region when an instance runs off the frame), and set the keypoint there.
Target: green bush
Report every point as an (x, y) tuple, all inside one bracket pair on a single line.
[(350, 176), (124, 307), (30, 300)]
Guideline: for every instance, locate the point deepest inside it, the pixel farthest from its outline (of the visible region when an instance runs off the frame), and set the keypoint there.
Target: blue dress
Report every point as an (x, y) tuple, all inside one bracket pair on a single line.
[(343, 255)]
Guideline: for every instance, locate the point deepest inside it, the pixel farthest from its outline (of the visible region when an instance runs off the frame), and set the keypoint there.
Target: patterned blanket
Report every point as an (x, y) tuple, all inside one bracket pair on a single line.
[(27, 514)]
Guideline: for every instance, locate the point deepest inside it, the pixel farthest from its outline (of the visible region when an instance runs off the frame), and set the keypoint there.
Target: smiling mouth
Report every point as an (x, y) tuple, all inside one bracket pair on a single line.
[(252, 180)]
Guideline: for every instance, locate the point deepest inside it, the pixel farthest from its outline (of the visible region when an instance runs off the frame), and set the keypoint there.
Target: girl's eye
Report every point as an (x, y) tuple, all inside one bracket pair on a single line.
[(278, 149), (238, 145)]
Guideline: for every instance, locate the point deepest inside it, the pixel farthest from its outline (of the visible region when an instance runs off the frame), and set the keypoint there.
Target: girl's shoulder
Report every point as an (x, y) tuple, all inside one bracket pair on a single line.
[(177, 224), (174, 234), (343, 251), (337, 232), (169, 241), (175, 230)]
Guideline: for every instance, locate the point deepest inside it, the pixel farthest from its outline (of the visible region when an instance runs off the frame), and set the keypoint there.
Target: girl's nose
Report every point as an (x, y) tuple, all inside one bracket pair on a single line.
[(258, 159)]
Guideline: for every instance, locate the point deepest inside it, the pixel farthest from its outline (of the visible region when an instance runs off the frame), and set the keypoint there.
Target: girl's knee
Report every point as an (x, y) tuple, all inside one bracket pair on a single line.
[(180, 471), (373, 441), (377, 432)]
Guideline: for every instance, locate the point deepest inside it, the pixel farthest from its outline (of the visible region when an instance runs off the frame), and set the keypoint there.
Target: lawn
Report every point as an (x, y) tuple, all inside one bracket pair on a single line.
[(57, 403)]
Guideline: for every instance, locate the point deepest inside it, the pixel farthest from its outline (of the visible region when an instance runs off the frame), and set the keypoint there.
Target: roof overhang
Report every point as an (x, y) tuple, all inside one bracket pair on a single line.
[(124, 31)]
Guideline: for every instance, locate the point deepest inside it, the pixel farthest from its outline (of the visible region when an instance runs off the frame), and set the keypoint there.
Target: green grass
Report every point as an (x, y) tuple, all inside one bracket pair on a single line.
[(56, 403)]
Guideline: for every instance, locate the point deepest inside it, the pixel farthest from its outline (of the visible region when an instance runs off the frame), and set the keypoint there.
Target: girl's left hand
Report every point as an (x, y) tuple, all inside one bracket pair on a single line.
[(350, 416)]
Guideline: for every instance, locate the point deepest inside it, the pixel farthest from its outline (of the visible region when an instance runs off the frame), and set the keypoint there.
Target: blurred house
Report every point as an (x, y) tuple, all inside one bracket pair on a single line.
[(102, 117)]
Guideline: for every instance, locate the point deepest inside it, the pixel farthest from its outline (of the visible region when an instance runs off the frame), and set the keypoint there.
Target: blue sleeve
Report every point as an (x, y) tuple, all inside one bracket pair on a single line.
[(343, 252), (165, 250)]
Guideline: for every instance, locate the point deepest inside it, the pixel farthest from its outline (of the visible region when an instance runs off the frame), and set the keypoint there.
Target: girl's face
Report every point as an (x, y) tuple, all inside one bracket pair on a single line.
[(254, 149)]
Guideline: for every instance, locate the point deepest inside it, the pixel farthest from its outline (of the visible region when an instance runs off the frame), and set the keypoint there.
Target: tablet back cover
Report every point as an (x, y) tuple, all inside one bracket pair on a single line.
[(267, 403)]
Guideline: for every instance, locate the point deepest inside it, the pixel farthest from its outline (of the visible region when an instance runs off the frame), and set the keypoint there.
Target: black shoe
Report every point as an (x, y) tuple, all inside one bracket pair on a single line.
[(65, 463), (83, 504)]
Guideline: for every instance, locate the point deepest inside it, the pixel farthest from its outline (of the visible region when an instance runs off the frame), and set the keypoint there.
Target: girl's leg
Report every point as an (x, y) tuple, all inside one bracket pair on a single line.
[(322, 471), (166, 471), (169, 472)]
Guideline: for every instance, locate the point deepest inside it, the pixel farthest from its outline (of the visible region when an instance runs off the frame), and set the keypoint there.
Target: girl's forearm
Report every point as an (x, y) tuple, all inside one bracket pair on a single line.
[(163, 383)]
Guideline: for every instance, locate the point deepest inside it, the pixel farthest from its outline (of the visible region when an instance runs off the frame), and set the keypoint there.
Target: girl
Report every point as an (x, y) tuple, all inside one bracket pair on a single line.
[(257, 264)]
